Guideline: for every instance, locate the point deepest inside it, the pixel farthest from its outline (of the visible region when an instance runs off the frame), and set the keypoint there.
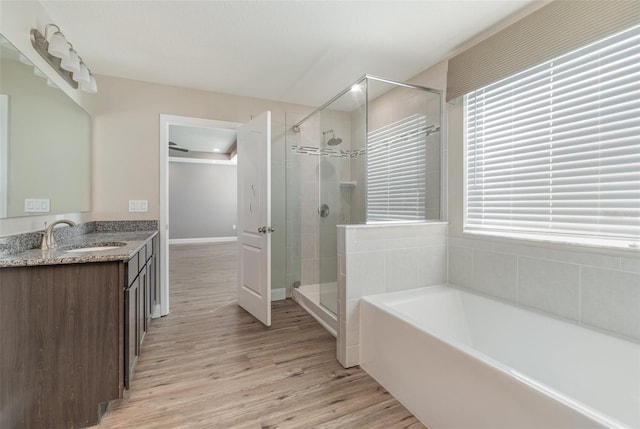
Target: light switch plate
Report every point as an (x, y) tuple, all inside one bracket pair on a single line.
[(138, 206), (37, 205)]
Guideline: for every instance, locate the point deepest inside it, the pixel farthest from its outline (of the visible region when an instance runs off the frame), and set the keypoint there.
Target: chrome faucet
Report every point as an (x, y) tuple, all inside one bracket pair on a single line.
[(48, 241)]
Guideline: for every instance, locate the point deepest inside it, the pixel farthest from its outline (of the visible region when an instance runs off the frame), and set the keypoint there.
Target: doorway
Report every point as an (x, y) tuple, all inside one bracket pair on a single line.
[(185, 125)]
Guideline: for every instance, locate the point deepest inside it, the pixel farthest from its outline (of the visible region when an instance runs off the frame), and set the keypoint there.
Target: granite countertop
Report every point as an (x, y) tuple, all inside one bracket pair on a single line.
[(64, 254)]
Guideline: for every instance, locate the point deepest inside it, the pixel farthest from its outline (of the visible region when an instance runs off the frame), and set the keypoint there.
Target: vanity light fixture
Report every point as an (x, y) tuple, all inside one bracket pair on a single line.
[(91, 86), (82, 75), (72, 62), (58, 45), (60, 55)]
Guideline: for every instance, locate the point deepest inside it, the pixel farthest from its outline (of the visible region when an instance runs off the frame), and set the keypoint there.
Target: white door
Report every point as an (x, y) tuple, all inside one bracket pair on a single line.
[(254, 217)]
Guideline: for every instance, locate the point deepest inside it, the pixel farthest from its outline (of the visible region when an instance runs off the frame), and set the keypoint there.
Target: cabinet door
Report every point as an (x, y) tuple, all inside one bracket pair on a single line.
[(151, 280), (131, 303), (155, 283), (140, 316)]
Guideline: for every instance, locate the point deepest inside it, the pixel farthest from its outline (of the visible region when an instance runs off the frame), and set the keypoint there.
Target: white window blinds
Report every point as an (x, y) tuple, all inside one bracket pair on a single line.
[(396, 170), (556, 149)]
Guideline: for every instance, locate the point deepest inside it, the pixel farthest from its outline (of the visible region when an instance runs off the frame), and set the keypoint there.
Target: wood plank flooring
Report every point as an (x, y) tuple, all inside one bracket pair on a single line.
[(209, 364)]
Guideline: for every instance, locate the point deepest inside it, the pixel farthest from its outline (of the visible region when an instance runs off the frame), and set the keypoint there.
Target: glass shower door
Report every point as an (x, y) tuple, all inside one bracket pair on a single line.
[(329, 213)]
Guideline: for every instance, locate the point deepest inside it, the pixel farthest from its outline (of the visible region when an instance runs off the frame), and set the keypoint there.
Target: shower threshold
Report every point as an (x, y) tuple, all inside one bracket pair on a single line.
[(308, 297)]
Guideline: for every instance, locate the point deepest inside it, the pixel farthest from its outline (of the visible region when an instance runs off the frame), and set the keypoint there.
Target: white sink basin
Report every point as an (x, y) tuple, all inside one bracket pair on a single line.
[(95, 247)]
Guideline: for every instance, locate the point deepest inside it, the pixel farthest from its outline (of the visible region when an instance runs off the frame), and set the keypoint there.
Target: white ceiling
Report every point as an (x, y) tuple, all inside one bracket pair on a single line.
[(295, 51), (198, 139)]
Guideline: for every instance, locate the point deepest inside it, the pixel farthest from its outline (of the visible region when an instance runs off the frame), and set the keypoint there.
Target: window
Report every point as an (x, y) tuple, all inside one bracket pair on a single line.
[(555, 150), (396, 170)]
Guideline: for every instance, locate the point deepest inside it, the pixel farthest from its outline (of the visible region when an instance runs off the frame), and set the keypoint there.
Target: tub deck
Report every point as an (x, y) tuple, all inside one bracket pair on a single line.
[(520, 364)]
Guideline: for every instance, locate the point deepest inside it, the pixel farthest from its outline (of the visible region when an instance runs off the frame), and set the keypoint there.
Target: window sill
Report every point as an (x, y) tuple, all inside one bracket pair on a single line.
[(595, 243)]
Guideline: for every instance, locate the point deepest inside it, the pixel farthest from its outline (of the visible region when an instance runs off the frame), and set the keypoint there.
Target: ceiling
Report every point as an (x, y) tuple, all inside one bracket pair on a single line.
[(199, 139), (293, 51)]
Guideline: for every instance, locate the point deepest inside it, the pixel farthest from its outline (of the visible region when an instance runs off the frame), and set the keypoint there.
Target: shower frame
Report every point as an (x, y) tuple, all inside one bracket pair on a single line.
[(366, 92), (296, 126)]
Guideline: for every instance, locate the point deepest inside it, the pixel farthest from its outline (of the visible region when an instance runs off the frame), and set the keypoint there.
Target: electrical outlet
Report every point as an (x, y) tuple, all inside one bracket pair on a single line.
[(138, 206), (233, 226), (37, 205)]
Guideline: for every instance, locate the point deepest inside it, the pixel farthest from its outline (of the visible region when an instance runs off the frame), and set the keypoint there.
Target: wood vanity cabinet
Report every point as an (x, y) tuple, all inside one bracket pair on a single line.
[(70, 337), (61, 331), (141, 283)]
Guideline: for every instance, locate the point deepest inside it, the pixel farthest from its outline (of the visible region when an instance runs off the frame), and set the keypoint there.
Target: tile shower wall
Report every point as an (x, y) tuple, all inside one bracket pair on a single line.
[(596, 288), (376, 259)]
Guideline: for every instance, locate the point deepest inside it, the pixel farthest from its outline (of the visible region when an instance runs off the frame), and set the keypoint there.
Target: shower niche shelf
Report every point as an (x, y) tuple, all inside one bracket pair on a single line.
[(348, 183)]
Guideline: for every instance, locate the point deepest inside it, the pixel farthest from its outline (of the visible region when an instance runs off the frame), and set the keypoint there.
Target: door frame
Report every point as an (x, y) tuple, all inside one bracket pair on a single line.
[(163, 225)]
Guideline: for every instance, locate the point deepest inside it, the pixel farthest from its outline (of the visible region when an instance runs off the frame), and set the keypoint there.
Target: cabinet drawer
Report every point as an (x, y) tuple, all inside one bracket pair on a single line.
[(132, 269), (142, 257)]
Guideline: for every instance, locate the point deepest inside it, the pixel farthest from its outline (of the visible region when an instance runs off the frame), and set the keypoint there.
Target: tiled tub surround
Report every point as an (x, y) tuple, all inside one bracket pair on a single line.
[(439, 348), (379, 258), (24, 249), (597, 288)]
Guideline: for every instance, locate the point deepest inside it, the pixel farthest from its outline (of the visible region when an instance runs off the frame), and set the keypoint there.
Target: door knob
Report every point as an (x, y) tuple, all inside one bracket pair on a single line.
[(265, 229), (324, 210)]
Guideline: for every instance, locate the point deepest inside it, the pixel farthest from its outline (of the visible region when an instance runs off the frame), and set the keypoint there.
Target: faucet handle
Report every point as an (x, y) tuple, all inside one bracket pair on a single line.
[(44, 244), (48, 240)]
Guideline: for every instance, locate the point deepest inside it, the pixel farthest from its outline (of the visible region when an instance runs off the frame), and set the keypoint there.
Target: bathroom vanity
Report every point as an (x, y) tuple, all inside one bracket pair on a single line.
[(72, 322)]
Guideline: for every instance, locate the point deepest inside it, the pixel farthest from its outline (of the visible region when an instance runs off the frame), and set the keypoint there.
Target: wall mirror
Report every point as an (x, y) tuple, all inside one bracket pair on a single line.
[(45, 142)]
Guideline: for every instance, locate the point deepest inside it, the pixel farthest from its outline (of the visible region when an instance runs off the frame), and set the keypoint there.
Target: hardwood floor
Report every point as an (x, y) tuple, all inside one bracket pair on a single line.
[(209, 364)]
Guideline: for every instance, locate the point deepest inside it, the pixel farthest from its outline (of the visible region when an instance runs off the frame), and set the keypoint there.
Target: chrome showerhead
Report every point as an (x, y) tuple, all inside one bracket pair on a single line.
[(333, 141)]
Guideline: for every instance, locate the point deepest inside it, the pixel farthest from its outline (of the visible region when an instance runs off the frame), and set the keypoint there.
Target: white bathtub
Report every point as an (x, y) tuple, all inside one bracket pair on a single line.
[(459, 360)]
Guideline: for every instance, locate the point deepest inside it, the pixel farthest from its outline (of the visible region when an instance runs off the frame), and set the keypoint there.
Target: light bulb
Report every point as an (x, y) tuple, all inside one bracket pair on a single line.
[(71, 63), (82, 75), (91, 87), (58, 46)]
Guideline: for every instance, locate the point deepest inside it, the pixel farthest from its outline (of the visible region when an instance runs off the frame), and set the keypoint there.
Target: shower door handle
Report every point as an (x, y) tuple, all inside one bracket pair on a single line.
[(265, 229), (324, 210)]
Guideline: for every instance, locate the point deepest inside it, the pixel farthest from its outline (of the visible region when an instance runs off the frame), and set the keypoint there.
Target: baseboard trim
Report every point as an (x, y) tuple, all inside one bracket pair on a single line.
[(202, 240), (278, 294)]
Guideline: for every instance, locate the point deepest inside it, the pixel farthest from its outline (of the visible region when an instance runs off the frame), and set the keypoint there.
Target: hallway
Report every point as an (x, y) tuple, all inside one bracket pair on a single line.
[(209, 364)]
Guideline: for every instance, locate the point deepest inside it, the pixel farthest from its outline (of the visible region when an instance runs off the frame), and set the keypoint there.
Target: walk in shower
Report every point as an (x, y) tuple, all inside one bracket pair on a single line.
[(370, 154)]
